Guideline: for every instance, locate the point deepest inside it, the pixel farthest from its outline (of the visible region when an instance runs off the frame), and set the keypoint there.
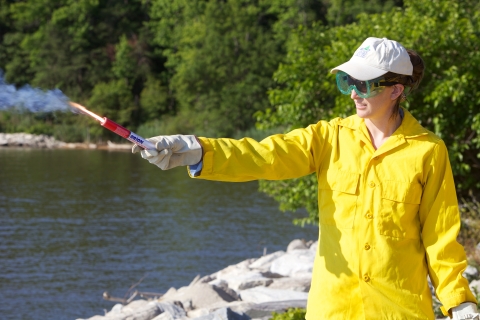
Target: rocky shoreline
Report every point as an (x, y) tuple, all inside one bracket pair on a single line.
[(47, 142), (249, 290)]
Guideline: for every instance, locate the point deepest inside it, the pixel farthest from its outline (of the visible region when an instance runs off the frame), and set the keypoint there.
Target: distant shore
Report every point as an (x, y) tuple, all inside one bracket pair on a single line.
[(27, 140)]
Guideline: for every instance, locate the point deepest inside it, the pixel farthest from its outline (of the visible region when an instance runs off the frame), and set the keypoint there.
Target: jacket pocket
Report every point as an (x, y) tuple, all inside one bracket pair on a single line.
[(337, 197), (399, 209)]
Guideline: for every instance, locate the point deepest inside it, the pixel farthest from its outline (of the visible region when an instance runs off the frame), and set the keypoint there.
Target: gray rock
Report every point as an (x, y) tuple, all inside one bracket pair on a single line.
[(172, 310), (236, 269), (279, 306), (297, 244), (262, 294), (313, 247), (164, 316), (475, 285), (195, 280), (28, 140), (223, 285), (129, 308), (236, 306), (265, 262), (294, 263), (294, 284), (137, 311), (224, 314), (244, 280), (199, 295), (470, 273), (207, 279)]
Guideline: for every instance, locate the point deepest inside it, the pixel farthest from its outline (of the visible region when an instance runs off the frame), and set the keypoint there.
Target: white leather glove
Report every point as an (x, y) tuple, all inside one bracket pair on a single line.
[(172, 151), (467, 310)]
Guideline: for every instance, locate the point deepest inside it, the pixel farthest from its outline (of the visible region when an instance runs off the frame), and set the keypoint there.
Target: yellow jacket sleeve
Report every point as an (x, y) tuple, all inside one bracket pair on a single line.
[(440, 220), (278, 157)]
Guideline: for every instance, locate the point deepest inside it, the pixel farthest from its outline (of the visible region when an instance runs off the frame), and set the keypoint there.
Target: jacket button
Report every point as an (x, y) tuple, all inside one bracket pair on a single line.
[(366, 278), (369, 215), (367, 246), (371, 184)]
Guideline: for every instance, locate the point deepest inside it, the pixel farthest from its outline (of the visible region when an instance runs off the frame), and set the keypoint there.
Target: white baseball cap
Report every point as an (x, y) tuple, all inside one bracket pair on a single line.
[(375, 57)]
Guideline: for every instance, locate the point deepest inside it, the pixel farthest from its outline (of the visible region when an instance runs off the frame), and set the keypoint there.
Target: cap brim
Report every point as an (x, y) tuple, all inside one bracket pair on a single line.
[(361, 72)]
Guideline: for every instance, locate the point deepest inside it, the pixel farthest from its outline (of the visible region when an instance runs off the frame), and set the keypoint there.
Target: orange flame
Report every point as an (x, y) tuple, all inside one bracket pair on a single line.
[(84, 110)]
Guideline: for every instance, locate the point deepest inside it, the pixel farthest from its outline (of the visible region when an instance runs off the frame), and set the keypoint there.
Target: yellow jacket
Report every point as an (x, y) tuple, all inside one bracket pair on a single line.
[(388, 217)]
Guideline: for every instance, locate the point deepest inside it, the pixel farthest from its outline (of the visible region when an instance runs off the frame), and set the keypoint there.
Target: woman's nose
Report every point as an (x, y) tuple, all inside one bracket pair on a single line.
[(354, 94)]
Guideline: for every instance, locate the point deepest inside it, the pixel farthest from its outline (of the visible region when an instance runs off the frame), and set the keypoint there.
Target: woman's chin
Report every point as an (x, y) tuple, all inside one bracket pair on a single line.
[(362, 111)]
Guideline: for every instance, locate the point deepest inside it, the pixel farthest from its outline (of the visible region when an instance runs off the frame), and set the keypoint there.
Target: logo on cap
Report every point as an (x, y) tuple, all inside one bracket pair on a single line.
[(362, 52)]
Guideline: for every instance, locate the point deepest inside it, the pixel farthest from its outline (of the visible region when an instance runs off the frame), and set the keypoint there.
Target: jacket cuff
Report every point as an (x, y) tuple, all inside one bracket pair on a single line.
[(207, 158), (453, 300)]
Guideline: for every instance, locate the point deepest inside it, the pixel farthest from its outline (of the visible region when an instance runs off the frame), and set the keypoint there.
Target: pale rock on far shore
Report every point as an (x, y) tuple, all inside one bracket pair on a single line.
[(29, 140), (41, 141)]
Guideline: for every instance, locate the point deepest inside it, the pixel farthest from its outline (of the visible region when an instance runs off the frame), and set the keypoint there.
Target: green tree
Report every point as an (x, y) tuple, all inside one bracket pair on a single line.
[(446, 103), (341, 12), (79, 45), (222, 56)]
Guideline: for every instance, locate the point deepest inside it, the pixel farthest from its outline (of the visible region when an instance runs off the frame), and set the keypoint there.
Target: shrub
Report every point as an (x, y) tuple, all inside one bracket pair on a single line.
[(290, 314)]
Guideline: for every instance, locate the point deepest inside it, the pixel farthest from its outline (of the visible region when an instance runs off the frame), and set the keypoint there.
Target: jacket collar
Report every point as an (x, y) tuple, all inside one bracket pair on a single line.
[(410, 128)]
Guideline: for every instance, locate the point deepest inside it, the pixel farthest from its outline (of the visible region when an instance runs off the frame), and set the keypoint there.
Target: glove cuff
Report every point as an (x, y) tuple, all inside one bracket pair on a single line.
[(198, 150), (466, 310)]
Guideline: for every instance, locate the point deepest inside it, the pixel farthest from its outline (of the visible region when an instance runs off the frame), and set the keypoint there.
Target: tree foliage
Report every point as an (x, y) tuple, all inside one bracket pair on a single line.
[(199, 66), (222, 55), (81, 47)]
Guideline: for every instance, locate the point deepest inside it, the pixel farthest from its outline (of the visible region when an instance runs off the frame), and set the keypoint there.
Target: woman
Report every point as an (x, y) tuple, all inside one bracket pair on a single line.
[(387, 204)]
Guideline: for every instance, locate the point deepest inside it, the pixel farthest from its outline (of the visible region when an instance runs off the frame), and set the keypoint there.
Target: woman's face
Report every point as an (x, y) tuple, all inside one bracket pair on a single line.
[(379, 106)]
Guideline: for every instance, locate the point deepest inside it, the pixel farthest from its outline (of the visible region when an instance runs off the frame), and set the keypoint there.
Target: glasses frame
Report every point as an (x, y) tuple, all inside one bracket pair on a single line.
[(371, 87)]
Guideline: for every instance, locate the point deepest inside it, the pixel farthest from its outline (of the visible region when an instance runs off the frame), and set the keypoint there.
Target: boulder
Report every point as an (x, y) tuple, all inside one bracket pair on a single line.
[(239, 307), (294, 263), (313, 247), (297, 244), (224, 314), (129, 308), (264, 263), (475, 285), (223, 285), (164, 316), (263, 294), (247, 279), (199, 295), (233, 270), (141, 310), (470, 273), (301, 284)]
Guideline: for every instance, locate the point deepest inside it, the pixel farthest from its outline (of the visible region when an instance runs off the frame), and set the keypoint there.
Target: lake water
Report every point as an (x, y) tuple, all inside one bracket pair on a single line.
[(77, 223)]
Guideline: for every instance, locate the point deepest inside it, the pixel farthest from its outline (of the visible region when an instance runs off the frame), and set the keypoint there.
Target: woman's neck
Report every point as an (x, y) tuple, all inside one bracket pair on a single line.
[(381, 129)]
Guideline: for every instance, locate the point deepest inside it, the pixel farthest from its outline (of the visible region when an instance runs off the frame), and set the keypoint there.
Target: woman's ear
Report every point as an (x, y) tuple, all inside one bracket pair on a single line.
[(397, 91)]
